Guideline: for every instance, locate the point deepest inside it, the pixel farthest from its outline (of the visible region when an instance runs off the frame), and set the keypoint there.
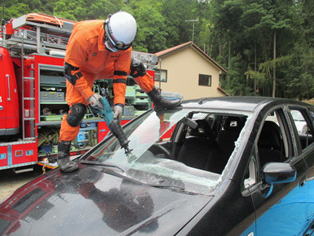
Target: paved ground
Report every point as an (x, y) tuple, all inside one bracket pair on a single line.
[(9, 181)]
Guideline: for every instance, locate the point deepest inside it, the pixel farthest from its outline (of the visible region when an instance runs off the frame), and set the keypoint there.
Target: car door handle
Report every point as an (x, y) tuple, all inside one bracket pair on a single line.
[(1, 108)]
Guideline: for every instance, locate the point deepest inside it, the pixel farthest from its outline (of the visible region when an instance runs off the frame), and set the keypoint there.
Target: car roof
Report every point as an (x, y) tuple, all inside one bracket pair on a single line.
[(240, 103)]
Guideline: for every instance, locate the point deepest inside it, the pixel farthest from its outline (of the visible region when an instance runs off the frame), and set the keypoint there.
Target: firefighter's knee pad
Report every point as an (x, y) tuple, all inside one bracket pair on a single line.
[(76, 114)]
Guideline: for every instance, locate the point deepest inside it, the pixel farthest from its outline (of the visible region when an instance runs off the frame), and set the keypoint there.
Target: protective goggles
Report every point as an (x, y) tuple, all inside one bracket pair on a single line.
[(111, 43)]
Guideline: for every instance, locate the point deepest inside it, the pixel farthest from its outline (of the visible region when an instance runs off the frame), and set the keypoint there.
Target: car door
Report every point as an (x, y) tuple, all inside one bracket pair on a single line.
[(277, 206), (303, 135), (3, 100), (9, 107)]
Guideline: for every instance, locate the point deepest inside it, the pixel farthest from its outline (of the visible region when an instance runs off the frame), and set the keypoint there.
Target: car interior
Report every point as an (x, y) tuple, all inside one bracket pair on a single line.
[(270, 143), (271, 147), (203, 141), (206, 141)]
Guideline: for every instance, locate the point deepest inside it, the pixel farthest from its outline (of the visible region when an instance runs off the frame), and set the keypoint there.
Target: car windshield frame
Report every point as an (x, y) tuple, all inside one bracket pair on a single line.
[(141, 165)]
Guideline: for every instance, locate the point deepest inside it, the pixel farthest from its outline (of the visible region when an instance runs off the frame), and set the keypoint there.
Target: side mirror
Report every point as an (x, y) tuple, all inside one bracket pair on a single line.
[(278, 173)]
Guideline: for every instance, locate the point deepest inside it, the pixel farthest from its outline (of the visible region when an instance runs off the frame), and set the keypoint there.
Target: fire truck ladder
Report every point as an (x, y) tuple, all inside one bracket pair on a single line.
[(28, 101)]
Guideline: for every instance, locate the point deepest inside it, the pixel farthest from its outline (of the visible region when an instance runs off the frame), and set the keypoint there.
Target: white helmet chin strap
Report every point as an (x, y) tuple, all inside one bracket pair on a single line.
[(110, 47)]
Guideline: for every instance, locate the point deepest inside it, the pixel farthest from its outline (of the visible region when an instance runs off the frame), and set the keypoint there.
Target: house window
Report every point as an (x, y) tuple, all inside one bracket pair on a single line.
[(205, 80), (161, 75)]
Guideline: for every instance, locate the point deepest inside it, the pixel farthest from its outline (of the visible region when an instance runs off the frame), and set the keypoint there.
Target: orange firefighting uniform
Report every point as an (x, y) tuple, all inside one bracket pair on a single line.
[(87, 52)]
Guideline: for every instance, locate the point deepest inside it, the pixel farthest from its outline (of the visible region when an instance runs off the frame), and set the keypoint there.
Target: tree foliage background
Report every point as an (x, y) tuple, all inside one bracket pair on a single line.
[(267, 46)]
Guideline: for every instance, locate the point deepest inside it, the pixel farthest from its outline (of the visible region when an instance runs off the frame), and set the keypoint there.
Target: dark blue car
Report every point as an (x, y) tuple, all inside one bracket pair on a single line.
[(219, 166)]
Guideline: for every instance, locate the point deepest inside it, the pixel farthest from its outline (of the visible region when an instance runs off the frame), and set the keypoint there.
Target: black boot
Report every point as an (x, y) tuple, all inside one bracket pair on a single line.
[(161, 103), (64, 162)]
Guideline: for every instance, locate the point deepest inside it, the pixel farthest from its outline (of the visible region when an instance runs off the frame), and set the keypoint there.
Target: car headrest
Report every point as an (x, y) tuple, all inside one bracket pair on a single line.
[(232, 123), (203, 129), (270, 136)]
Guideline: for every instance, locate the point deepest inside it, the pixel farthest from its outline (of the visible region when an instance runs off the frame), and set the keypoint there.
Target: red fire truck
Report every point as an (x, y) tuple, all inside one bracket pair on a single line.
[(32, 92)]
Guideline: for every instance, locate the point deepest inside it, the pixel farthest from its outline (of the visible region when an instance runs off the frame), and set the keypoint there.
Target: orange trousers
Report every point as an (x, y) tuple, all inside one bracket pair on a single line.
[(73, 96)]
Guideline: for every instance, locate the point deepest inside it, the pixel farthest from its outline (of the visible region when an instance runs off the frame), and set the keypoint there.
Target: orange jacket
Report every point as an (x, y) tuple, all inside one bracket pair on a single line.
[(86, 50)]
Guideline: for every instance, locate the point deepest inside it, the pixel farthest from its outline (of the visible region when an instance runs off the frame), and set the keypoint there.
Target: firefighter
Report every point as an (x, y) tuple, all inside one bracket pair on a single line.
[(99, 49)]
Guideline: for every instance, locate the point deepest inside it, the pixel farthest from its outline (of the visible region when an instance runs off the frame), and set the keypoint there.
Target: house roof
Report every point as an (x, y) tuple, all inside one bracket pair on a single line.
[(169, 51), (222, 91)]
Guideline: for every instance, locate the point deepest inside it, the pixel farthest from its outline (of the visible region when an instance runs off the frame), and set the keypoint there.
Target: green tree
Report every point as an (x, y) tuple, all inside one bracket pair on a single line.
[(77, 10), (151, 35), (300, 72), (266, 45), (176, 13), (258, 31)]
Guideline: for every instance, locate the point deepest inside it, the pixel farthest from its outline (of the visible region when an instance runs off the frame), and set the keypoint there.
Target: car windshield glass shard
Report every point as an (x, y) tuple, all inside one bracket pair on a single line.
[(187, 148)]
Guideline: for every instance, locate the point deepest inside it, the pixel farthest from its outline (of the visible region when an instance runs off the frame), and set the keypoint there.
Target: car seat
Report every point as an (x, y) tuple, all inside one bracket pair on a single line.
[(196, 147), (270, 143), (226, 138)]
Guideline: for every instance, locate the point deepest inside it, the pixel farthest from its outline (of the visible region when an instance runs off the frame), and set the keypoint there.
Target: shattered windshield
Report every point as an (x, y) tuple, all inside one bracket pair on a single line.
[(175, 149)]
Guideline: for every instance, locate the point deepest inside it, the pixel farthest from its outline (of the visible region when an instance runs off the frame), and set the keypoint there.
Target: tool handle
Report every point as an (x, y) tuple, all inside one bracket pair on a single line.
[(107, 110)]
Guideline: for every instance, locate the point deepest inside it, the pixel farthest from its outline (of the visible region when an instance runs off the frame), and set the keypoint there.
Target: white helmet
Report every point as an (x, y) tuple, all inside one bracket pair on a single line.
[(120, 31)]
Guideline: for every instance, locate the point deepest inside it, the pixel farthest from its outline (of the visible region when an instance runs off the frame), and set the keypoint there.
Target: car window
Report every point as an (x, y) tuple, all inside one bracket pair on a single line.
[(208, 140), (297, 115), (302, 125), (272, 143)]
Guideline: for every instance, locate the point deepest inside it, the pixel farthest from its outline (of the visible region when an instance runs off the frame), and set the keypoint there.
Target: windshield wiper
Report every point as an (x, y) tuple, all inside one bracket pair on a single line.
[(180, 188), (98, 163), (174, 187), (134, 180)]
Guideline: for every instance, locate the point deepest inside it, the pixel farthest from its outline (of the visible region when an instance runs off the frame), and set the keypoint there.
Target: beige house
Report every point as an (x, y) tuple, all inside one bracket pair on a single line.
[(187, 70)]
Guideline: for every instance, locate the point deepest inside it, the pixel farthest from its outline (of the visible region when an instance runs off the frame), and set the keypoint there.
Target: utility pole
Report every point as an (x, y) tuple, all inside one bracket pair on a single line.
[(274, 68), (193, 22)]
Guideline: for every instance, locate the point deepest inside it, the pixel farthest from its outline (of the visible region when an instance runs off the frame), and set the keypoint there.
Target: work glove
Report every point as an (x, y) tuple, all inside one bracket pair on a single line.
[(137, 68), (95, 101), (101, 107), (118, 111)]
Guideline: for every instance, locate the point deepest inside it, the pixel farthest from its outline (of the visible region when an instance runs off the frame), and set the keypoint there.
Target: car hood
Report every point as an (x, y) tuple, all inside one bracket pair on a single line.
[(93, 202)]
